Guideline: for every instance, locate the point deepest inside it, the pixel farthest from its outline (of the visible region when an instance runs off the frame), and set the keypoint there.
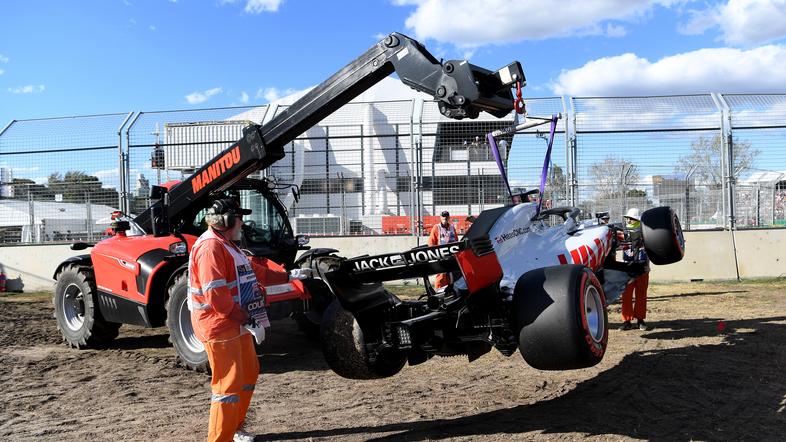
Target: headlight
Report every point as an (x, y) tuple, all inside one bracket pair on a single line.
[(178, 248)]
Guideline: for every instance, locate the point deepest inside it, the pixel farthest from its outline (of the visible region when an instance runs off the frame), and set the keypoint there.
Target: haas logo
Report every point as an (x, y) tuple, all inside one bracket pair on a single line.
[(591, 255)]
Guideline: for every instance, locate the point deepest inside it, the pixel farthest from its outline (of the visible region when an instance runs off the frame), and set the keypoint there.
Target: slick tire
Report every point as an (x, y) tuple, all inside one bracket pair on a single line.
[(343, 346), (76, 310), (561, 317), (190, 351), (662, 234)]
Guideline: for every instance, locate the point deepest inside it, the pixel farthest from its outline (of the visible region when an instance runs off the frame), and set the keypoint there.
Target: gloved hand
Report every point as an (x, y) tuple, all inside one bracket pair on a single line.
[(301, 274), (257, 331)]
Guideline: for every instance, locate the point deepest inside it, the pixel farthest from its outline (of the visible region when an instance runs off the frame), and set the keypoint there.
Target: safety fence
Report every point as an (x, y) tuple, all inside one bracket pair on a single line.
[(391, 167)]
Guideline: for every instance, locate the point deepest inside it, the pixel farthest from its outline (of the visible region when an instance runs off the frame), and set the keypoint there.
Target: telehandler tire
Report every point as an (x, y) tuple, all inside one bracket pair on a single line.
[(76, 310)]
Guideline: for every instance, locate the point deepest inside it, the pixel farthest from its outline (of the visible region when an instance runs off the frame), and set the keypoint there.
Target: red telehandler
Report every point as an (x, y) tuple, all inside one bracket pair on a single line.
[(139, 274)]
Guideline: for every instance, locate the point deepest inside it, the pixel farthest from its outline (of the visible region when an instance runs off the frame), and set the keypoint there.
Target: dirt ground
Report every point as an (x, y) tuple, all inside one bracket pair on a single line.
[(714, 368)]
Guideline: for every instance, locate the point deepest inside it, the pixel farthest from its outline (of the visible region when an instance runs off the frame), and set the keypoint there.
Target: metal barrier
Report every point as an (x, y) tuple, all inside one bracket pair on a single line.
[(391, 167)]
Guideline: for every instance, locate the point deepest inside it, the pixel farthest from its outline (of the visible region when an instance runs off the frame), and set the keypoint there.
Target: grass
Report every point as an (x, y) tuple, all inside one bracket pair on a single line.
[(25, 296)]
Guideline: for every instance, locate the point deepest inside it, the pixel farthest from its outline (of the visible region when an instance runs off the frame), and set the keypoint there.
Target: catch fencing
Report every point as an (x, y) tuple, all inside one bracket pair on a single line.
[(391, 167)]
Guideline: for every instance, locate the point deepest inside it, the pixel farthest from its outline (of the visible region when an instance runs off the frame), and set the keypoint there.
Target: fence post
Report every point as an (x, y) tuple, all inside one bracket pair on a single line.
[(419, 162), (31, 213), (121, 172), (731, 179), (89, 217), (412, 173), (572, 181)]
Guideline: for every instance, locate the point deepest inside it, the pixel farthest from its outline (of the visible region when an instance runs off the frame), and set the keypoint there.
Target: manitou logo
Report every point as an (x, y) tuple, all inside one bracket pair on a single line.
[(591, 255), (212, 171), (415, 257)]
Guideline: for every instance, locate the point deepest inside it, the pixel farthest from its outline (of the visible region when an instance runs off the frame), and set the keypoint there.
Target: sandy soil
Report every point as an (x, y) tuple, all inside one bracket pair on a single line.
[(714, 368)]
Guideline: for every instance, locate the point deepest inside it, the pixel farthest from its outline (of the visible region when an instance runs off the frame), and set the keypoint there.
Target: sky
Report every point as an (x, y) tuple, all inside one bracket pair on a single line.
[(98, 56), (62, 58)]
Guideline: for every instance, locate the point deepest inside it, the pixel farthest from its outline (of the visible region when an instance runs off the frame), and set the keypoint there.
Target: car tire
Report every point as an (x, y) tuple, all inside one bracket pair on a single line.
[(343, 346), (76, 311), (662, 235), (561, 318), (190, 351)]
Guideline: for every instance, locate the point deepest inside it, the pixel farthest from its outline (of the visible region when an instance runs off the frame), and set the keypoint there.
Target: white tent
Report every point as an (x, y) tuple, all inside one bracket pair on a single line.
[(50, 220)]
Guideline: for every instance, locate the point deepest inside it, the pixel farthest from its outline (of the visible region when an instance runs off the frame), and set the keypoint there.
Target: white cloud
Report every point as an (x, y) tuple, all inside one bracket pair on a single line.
[(728, 70), (153, 27), (257, 6), (29, 89), (201, 97), (273, 94), (474, 23), (743, 22), (4, 59), (2, 72), (613, 30), (244, 97), (127, 3), (131, 22)]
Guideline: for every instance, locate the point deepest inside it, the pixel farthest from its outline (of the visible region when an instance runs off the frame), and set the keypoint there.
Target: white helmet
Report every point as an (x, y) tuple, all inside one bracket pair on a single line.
[(633, 213)]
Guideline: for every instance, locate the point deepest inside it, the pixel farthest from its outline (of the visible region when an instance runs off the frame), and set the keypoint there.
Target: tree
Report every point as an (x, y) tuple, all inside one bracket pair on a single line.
[(556, 184), (76, 186), (707, 157), (612, 176), (24, 187)]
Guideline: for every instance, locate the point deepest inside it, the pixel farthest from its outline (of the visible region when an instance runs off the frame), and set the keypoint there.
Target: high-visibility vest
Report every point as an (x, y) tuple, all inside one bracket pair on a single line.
[(242, 285), (447, 235)]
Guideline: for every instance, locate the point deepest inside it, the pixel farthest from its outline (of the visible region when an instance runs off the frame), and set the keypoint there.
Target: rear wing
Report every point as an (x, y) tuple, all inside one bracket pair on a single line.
[(357, 282)]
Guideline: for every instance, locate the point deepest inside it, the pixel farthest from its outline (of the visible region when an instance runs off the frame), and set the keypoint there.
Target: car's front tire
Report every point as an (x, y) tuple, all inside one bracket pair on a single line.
[(662, 235)]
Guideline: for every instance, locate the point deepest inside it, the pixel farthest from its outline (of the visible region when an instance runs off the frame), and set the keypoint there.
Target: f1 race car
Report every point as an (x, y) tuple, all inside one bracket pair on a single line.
[(522, 284)]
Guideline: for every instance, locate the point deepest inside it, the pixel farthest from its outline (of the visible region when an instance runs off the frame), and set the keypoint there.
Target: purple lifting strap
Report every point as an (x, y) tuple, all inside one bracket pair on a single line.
[(498, 159), (546, 161)]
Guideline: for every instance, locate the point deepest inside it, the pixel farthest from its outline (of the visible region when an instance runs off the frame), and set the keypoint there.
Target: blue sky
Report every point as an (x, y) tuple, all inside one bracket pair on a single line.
[(98, 56), (84, 57)]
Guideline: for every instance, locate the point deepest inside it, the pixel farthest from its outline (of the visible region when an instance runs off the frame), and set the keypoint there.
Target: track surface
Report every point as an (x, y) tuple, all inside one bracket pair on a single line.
[(714, 368)]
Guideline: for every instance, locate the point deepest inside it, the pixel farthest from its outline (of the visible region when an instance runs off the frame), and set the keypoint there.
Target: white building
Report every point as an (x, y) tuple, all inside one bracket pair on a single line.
[(39, 221), (355, 167)]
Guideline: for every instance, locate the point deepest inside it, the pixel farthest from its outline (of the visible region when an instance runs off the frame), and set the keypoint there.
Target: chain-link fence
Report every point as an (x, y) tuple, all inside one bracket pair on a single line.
[(391, 167), (47, 193)]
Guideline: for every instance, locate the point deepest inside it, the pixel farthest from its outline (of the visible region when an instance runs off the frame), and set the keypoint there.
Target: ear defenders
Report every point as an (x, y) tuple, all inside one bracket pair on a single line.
[(227, 209)]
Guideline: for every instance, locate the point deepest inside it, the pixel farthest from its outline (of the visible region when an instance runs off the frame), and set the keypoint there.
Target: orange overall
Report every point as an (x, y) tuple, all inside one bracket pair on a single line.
[(441, 235), (217, 319), (639, 311), (639, 286)]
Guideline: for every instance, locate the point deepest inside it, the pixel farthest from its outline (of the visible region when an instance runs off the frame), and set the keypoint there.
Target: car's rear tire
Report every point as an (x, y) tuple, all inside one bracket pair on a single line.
[(561, 317), (344, 348), (189, 349), (76, 310), (662, 234)]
